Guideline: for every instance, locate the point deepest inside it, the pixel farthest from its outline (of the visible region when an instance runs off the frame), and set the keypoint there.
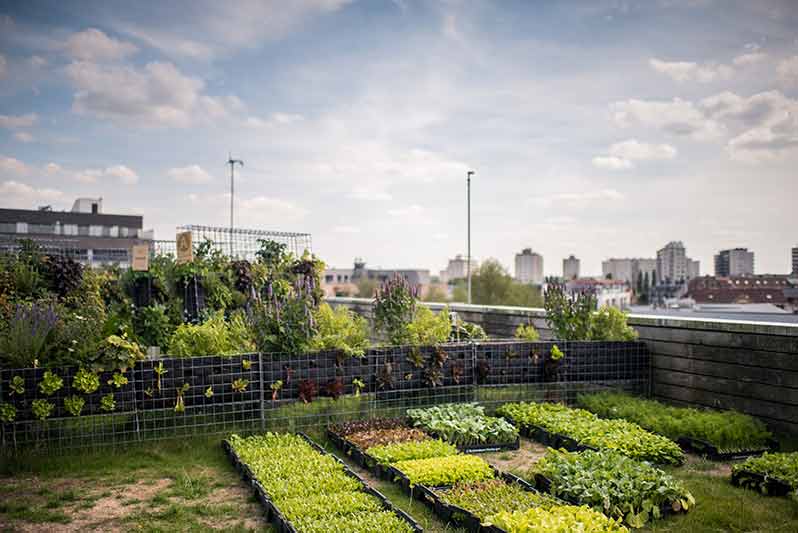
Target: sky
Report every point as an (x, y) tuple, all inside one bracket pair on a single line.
[(596, 128)]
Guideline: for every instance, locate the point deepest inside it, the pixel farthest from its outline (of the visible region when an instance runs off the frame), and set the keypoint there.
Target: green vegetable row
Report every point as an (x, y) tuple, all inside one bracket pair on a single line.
[(311, 489), (562, 519), (613, 484), (589, 430), (728, 431), (444, 471), (484, 499), (464, 424), (779, 466), (389, 454)]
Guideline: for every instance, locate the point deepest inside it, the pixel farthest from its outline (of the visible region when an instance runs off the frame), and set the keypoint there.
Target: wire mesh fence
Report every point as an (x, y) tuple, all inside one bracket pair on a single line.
[(244, 243), (176, 397)]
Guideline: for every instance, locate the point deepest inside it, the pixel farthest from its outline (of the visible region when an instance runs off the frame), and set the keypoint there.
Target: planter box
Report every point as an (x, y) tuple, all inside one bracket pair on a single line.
[(703, 448)]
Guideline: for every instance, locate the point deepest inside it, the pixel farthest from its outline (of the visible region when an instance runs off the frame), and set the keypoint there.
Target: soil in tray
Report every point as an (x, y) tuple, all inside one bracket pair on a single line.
[(379, 437)]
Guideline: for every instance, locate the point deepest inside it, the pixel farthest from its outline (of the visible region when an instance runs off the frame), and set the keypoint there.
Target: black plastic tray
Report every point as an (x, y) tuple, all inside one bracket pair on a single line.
[(705, 449), (273, 514), (773, 486), (358, 455)]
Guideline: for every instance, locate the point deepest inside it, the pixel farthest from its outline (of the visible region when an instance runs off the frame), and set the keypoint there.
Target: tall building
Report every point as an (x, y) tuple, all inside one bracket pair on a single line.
[(734, 262), (529, 267), (795, 260), (457, 269), (343, 281), (628, 269), (674, 265), (570, 267), (85, 232)]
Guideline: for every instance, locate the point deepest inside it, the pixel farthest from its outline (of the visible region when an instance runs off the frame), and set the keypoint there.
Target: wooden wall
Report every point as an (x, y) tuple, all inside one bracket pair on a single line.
[(750, 367)]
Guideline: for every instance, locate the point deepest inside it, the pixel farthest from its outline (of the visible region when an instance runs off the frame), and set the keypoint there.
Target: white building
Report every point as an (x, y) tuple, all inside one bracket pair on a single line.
[(608, 292), (674, 265), (529, 267), (570, 267), (628, 269), (734, 262), (457, 269)]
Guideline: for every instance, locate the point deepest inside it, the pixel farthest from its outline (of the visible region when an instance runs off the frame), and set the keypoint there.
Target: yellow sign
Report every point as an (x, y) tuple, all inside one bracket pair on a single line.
[(141, 257), (185, 252)]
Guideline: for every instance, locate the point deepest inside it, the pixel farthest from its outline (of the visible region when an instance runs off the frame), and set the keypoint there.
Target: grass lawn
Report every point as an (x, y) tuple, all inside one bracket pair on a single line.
[(190, 486)]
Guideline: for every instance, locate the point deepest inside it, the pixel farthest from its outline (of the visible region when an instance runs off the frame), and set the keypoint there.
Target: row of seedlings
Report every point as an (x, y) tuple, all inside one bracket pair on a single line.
[(632, 491), (560, 426), (718, 435), (462, 489), (306, 490), (772, 474), (466, 426)]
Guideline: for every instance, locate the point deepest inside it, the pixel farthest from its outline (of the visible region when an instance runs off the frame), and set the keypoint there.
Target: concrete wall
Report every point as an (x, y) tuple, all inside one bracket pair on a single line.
[(748, 366)]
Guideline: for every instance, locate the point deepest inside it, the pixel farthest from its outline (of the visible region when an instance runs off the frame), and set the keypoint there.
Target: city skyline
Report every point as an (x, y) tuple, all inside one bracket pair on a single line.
[(601, 129)]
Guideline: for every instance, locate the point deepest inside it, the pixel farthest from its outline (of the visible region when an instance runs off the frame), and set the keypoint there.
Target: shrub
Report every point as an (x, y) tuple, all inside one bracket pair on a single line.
[(463, 424), (427, 328), (152, 325), (340, 329), (212, 337), (569, 315), (728, 431), (609, 324), (394, 309), (117, 353), (527, 332), (27, 337)]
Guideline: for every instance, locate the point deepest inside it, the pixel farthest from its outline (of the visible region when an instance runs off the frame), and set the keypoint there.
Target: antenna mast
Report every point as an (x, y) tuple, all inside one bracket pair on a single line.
[(232, 162)]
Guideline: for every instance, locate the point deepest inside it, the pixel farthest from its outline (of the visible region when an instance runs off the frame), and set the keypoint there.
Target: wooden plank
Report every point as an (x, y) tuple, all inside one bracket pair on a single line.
[(756, 391), (759, 408), (752, 374), (747, 341), (726, 355)]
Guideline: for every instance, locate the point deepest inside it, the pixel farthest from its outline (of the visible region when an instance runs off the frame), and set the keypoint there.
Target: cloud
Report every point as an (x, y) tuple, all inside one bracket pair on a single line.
[(744, 60), (124, 174), (362, 193), (611, 163), (156, 95), (788, 71), (94, 45), (37, 62), (170, 44), (18, 195), (677, 117), (346, 229), (682, 71), (411, 211), (23, 137), (18, 121), (13, 167), (580, 199), (192, 174), (274, 120)]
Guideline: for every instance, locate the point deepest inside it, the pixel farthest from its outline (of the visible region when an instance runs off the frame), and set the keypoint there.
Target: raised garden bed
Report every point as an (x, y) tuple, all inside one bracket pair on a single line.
[(772, 474), (302, 488), (575, 428), (613, 484), (717, 435)]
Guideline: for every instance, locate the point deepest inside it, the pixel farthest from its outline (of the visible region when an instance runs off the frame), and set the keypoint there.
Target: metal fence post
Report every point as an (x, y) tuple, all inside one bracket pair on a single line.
[(261, 380), (474, 383)]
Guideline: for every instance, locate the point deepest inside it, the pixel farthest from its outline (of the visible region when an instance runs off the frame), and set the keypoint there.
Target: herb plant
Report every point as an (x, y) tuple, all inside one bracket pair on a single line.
[(527, 332), (180, 405), (8, 413), (556, 353), (340, 329), (209, 392), (728, 431), (28, 335), (17, 385), (394, 309), (389, 454), (568, 315), (107, 402), (589, 430), (118, 380), (42, 408), (74, 404), (86, 381), (50, 383), (240, 385), (444, 471), (613, 484)]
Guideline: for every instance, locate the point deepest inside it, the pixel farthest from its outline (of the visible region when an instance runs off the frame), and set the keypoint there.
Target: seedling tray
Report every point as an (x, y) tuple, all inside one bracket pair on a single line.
[(544, 485), (483, 447), (705, 449), (358, 455), (766, 485), (272, 512)]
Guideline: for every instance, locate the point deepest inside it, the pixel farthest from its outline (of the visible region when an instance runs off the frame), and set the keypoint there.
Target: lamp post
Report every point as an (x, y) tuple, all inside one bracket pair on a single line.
[(468, 260)]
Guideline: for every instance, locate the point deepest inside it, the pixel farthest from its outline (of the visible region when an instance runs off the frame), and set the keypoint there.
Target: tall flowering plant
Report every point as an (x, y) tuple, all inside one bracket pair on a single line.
[(394, 309), (28, 334)]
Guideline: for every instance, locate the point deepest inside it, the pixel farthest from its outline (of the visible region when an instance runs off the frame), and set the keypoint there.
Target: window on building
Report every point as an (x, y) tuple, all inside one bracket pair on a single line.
[(22, 227), (70, 229), (83, 231), (106, 231), (46, 229), (329, 278), (8, 227), (95, 231), (113, 231)]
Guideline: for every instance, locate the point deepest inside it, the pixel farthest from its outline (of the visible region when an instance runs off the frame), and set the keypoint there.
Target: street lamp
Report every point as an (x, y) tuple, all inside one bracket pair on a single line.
[(468, 263)]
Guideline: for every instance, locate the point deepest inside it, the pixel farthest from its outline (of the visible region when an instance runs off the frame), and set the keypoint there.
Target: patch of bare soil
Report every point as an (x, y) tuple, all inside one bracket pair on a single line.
[(518, 460)]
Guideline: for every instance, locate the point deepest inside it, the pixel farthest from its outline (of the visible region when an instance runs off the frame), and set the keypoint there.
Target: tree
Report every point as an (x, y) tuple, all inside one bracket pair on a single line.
[(435, 294), (492, 285), (366, 288)]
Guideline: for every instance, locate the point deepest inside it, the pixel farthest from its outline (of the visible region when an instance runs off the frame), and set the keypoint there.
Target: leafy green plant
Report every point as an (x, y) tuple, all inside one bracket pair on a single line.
[(556, 353), (587, 429), (527, 332), (8, 413), (42, 408), (484, 499), (212, 337), (428, 328), (240, 385), (180, 405), (107, 402), (209, 392), (153, 325), (17, 385), (50, 383), (755, 472), (394, 309), (569, 315), (74, 404), (118, 380), (556, 519), (118, 352), (728, 431), (340, 329), (613, 484), (357, 385), (609, 324), (246, 364), (389, 454), (444, 471), (159, 371), (86, 381), (463, 424), (276, 387)]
